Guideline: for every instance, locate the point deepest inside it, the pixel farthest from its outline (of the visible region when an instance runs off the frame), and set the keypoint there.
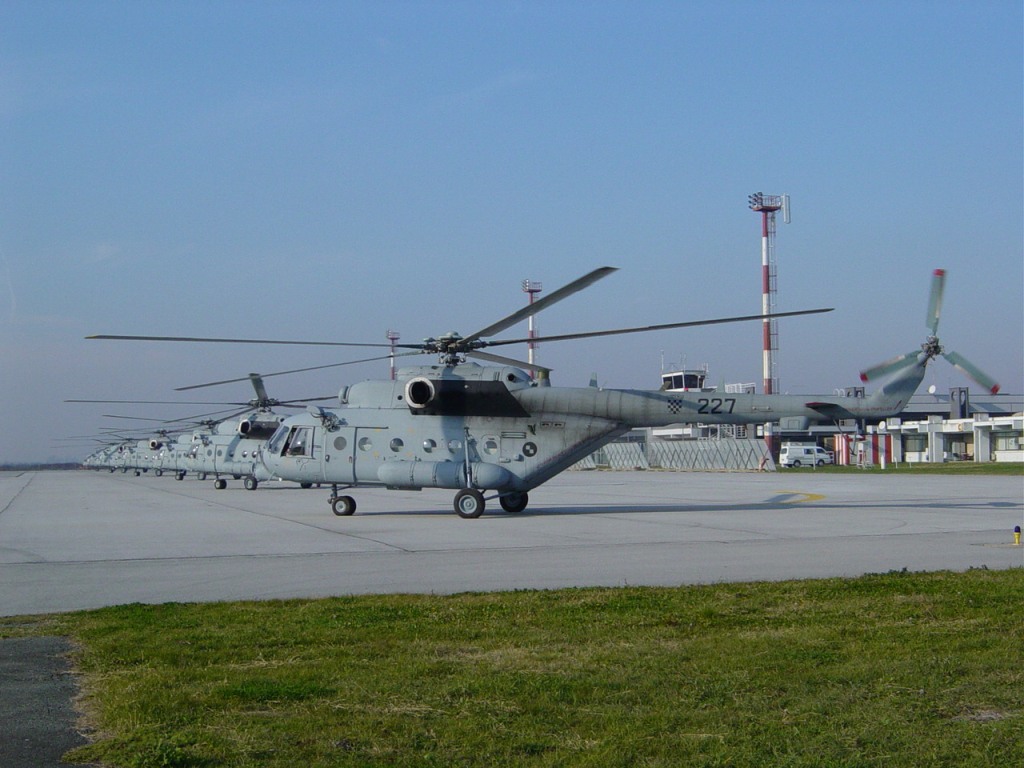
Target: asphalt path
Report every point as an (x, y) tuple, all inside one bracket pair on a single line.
[(86, 539), (37, 716)]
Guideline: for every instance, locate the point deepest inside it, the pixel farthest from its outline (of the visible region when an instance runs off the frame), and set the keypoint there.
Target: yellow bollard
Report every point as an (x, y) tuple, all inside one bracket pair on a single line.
[(1016, 536)]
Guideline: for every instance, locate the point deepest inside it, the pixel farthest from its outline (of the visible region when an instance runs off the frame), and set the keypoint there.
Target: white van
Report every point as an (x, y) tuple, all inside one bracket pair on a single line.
[(804, 456)]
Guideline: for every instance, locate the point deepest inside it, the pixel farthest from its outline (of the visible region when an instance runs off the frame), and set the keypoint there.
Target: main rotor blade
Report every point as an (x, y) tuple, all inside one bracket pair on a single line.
[(935, 300), (120, 337), (665, 327), (890, 366), (531, 309), (134, 418), (508, 361), (200, 417), (155, 402), (301, 400), (296, 370), (973, 371), (257, 384)]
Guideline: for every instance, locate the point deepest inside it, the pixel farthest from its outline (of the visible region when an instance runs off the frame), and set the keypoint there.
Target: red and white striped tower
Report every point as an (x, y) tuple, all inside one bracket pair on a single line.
[(767, 206), (531, 287)]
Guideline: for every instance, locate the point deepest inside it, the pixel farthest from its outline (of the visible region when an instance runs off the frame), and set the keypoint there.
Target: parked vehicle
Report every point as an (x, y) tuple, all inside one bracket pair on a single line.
[(804, 456)]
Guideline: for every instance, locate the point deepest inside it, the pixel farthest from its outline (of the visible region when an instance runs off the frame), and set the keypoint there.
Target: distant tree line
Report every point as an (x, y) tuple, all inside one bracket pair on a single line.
[(37, 467)]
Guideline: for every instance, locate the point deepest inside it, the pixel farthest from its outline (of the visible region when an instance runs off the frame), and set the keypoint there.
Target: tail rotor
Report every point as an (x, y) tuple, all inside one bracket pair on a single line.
[(931, 347)]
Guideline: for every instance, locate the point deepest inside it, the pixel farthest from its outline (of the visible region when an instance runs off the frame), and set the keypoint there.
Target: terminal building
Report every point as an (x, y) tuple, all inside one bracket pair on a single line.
[(959, 426), (956, 426)]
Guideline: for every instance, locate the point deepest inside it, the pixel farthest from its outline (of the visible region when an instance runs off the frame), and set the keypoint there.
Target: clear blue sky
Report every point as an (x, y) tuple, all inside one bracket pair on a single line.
[(331, 170)]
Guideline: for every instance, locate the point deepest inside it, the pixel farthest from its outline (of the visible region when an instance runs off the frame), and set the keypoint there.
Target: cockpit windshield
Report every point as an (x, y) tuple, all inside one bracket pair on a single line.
[(275, 442)]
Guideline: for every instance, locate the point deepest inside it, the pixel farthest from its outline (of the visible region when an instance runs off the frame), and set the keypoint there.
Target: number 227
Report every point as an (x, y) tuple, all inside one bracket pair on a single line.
[(716, 405)]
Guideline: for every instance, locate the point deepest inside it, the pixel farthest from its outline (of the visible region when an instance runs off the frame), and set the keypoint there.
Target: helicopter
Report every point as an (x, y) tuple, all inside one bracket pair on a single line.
[(494, 429), (223, 447)]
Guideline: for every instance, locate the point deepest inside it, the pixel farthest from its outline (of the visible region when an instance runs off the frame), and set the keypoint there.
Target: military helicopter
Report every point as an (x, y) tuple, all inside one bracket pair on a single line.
[(227, 446), (476, 429)]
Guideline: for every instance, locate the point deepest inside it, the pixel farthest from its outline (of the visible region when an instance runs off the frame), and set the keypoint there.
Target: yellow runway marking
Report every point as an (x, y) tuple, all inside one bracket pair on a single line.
[(796, 497)]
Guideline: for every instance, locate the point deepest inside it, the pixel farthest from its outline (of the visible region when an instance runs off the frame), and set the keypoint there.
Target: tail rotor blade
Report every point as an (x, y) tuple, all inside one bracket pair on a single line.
[(935, 300), (973, 371), (890, 366)]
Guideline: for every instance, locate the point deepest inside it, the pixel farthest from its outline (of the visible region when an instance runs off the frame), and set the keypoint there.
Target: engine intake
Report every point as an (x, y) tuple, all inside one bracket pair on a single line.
[(420, 392)]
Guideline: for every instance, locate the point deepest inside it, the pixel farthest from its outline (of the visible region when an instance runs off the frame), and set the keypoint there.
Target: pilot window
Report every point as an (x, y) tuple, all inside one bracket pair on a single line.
[(274, 445), (300, 442)]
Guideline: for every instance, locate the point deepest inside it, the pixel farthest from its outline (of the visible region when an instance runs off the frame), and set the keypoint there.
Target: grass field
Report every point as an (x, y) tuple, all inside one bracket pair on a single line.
[(898, 669)]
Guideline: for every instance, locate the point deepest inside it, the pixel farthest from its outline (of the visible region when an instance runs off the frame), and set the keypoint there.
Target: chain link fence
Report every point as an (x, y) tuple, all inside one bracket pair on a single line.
[(724, 454)]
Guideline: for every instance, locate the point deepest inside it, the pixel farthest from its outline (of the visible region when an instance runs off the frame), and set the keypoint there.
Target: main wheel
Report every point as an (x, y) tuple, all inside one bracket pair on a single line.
[(469, 503), (220, 483), (514, 502), (343, 506), (250, 483)]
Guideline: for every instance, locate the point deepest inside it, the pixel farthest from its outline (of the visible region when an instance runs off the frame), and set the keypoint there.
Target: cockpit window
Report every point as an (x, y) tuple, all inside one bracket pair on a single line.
[(275, 442), (300, 442)]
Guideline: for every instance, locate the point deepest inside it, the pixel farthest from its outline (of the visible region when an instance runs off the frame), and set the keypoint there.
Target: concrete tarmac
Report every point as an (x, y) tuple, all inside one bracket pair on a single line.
[(84, 539)]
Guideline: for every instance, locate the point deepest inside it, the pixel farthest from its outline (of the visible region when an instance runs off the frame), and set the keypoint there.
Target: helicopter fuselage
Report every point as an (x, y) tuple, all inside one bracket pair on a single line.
[(231, 448), (493, 428)]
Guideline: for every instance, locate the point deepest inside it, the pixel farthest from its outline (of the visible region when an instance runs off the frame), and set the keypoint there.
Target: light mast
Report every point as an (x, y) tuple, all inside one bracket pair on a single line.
[(392, 337), (768, 206), (531, 287)]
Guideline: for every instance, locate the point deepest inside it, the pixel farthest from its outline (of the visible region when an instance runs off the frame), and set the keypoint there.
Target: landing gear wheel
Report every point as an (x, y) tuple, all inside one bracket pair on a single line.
[(202, 475), (514, 502), (343, 506), (469, 503), (220, 483), (158, 472), (180, 476), (250, 483), (305, 485)]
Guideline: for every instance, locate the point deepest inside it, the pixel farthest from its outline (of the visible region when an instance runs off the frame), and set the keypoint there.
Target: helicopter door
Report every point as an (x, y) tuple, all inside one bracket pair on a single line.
[(301, 457), (339, 455)]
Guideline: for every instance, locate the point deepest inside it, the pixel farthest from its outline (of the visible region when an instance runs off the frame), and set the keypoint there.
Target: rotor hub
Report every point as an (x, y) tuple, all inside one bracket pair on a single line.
[(932, 348)]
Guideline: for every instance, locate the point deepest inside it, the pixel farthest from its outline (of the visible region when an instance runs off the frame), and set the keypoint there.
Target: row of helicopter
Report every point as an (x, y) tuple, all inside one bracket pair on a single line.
[(222, 448), (485, 431)]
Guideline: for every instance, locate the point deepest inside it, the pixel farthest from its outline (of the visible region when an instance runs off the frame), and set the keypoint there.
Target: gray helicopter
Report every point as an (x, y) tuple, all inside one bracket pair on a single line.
[(493, 429), (223, 447)]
